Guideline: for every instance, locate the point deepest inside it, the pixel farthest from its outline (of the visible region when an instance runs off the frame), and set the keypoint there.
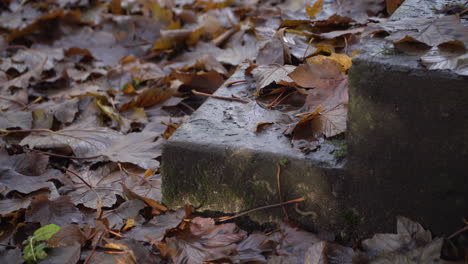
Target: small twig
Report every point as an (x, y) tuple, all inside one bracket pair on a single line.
[(282, 99), (33, 102), (12, 100), (88, 258), (64, 156), (463, 12), (274, 101), (458, 232), (307, 49), (223, 219), (115, 234), (346, 45), (278, 181), (187, 106), (220, 97), (152, 241), (235, 82)]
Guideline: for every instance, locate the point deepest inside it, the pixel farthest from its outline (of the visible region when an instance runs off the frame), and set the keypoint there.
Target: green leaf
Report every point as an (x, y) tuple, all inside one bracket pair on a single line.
[(34, 251), (45, 232)]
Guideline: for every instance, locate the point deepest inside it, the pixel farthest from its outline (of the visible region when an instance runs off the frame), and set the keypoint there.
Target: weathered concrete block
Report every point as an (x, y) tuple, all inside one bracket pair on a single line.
[(407, 136), (216, 160)]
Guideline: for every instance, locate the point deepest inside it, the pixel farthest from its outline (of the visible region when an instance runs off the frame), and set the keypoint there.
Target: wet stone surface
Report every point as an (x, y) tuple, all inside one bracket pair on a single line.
[(407, 135), (217, 161)]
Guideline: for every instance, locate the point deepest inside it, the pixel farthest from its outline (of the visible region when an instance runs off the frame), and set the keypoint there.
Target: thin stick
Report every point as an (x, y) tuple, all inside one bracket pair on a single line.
[(282, 99), (223, 219), (187, 106), (33, 102), (88, 259), (64, 156), (220, 97), (346, 45), (458, 232), (115, 234), (274, 101), (278, 182), (12, 100), (235, 82)]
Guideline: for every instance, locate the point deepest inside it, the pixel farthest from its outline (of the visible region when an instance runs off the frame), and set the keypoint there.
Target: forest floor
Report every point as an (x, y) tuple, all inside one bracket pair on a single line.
[(91, 90)]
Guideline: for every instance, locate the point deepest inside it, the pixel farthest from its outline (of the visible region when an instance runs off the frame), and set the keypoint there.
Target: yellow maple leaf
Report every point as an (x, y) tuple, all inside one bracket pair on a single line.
[(313, 10)]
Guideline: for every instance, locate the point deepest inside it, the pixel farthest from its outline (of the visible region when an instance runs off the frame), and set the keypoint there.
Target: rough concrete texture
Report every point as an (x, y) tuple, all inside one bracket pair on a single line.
[(407, 136), (217, 161)]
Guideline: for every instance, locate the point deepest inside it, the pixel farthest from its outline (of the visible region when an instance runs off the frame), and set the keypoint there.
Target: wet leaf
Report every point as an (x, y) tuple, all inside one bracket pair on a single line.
[(67, 236), (102, 184), (19, 119), (410, 235), (70, 254), (314, 9), (84, 141), (25, 173), (125, 251), (137, 148), (438, 59), (60, 211), (432, 32), (273, 73), (157, 227), (126, 210), (10, 205), (205, 242)]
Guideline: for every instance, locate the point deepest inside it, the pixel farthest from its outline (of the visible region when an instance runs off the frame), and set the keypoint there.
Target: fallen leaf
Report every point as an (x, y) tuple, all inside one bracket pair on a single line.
[(273, 73), (60, 211), (429, 31), (137, 148), (206, 242), (67, 236), (313, 10), (343, 60), (101, 184), (10, 205), (326, 74), (126, 210), (438, 59), (25, 173), (18, 119), (125, 251), (157, 227)]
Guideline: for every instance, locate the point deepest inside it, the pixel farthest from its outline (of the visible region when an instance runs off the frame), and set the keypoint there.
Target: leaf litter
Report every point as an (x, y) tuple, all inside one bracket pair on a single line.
[(90, 90)]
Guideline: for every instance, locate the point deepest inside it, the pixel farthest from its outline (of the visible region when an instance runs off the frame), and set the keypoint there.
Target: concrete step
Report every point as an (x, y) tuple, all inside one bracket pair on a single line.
[(407, 140), (217, 161), (407, 135)]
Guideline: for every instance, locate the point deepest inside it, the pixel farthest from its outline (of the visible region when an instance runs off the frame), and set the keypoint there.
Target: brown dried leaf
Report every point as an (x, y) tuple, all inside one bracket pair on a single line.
[(273, 73), (25, 173), (128, 209), (205, 242), (327, 74), (60, 211), (102, 184), (157, 227), (68, 235)]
